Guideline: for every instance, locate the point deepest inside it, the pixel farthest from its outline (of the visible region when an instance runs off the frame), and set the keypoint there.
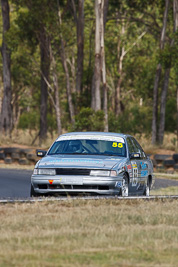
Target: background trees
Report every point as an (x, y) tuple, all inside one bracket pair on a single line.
[(73, 58), (6, 122)]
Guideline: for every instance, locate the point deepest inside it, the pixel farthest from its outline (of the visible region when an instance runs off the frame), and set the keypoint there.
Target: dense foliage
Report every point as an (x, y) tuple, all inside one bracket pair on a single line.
[(132, 36)]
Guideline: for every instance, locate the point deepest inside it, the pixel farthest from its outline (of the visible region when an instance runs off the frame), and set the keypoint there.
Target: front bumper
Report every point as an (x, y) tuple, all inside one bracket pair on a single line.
[(44, 184)]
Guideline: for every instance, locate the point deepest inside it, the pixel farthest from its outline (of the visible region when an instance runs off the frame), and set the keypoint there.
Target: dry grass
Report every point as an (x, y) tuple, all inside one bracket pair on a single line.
[(16, 166), (168, 191), (167, 175), (26, 137), (169, 146), (89, 233)]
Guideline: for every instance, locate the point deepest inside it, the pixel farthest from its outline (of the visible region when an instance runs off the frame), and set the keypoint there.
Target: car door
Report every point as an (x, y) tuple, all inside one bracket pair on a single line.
[(142, 166), (133, 167)]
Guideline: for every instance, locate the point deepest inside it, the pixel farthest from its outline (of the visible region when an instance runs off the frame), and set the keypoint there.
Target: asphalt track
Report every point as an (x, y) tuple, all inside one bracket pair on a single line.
[(15, 185)]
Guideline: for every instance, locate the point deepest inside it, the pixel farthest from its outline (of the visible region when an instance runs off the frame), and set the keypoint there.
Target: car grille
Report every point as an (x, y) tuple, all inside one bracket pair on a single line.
[(73, 187), (65, 171)]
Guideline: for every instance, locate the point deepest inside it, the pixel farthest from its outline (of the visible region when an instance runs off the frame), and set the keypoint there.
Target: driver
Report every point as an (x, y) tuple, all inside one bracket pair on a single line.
[(75, 146)]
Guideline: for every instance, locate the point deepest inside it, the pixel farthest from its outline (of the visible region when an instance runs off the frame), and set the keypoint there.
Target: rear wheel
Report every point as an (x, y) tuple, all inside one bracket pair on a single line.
[(32, 192), (125, 186), (147, 189)]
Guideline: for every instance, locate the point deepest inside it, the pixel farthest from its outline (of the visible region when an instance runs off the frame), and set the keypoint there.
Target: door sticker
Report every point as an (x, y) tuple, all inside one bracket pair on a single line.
[(135, 174), (143, 165), (144, 173)]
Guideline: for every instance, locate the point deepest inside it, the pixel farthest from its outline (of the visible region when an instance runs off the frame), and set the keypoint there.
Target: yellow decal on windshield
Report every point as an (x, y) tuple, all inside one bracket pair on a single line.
[(115, 144)]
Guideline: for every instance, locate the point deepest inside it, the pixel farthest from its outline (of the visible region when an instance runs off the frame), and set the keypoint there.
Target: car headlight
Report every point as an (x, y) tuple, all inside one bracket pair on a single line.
[(102, 173), (44, 172)]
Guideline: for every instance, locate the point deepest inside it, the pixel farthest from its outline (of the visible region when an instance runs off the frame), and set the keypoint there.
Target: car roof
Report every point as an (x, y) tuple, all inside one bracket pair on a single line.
[(96, 133)]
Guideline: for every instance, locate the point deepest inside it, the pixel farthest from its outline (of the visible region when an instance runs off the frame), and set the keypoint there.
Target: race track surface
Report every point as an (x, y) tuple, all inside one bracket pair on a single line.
[(15, 184)]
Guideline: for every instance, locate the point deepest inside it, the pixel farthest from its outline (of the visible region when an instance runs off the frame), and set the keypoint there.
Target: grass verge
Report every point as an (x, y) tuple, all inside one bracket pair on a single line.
[(167, 176), (89, 233), (168, 191)]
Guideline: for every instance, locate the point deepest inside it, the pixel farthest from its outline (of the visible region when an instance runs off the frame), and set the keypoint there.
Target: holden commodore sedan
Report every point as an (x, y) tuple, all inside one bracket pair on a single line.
[(93, 163)]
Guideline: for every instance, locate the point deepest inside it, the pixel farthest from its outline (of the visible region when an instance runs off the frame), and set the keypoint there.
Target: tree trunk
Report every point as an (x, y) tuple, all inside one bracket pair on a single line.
[(175, 11), (163, 106), (166, 80), (157, 77), (97, 69), (80, 45), (68, 87), (103, 65), (6, 123), (177, 113), (121, 53), (56, 93), (64, 63), (45, 67), (93, 104), (155, 104)]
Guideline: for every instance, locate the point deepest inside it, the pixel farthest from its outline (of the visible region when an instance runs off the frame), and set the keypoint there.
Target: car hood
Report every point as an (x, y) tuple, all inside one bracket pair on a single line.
[(79, 161)]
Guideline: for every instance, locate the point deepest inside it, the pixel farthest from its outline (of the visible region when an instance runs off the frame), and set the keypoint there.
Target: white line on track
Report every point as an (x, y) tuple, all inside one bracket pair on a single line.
[(43, 199)]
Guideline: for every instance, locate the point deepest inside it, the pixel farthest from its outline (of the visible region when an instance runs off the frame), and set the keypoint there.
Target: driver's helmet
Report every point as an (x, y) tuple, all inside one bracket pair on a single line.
[(75, 146)]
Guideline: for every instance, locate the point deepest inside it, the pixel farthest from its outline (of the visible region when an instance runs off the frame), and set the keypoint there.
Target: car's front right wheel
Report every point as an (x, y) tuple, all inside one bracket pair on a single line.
[(125, 186), (32, 192)]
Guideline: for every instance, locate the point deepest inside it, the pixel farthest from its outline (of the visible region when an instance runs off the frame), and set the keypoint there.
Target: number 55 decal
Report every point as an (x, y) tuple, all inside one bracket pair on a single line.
[(115, 144)]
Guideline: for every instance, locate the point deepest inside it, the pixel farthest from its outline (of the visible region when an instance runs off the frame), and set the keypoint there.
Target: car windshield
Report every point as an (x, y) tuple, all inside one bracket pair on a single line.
[(89, 147)]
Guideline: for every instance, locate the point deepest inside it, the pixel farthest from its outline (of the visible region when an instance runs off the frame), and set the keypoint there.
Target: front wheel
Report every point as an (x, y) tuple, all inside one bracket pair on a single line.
[(32, 192), (125, 186)]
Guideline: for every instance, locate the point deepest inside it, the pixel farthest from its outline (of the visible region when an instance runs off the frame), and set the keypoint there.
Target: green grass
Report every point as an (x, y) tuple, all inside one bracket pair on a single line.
[(89, 233)]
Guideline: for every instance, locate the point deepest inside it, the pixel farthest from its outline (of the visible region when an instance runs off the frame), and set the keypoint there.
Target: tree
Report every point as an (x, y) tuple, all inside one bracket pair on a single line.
[(100, 68), (175, 10), (45, 67), (6, 123), (65, 67), (167, 75), (103, 67), (96, 96), (157, 77), (166, 79), (79, 20), (56, 102)]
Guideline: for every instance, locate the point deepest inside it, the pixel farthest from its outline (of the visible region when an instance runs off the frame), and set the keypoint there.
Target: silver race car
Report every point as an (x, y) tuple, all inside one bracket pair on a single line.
[(93, 163)]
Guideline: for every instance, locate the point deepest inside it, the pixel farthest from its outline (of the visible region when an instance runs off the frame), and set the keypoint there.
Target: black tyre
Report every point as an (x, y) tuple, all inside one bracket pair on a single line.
[(15, 156), (10, 150), (169, 163), (2, 155), (32, 157), (176, 167), (125, 186), (23, 161), (147, 189), (175, 157), (8, 160), (32, 192), (23, 152), (160, 158)]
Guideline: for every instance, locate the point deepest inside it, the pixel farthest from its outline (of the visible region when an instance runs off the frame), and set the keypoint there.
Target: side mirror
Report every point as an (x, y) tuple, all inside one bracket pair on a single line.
[(41, 153), (135, 156)]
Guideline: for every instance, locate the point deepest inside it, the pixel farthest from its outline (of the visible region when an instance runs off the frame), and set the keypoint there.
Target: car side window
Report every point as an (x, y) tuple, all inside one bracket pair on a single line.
[(130, 145), (138, 148)]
